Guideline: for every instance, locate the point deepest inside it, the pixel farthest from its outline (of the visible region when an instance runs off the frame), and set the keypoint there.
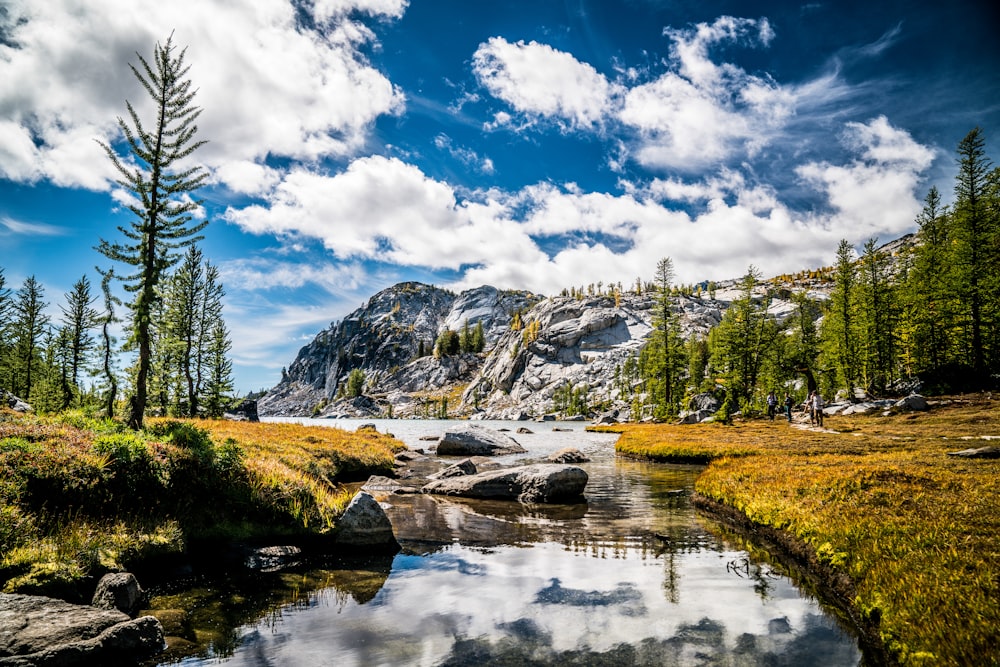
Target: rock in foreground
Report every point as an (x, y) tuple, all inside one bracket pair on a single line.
[(37, 631), (475, 440), (365, 524), (537, 483)]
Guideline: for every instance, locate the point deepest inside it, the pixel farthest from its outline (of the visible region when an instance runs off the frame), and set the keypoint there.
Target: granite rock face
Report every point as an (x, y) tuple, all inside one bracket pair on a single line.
[(383, 338), (535, 347), (38, 631)]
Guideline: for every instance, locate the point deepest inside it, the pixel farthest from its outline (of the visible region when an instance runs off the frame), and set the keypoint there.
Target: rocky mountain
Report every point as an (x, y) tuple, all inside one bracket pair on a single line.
[(390, 339), (534, 347)]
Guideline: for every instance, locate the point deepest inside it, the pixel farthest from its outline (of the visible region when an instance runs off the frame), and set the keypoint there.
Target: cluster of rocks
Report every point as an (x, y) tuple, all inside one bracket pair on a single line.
[(911, 403), (479, 476), (37, 630)]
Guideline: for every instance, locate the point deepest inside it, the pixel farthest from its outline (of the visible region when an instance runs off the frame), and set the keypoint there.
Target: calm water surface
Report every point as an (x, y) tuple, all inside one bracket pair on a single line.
[(634, 576)]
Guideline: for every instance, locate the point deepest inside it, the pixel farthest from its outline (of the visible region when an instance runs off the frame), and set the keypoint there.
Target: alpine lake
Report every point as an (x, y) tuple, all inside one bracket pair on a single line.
[(632, 576)]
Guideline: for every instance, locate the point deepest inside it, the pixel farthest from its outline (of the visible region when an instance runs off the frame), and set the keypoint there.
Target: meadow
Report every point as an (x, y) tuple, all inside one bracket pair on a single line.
[(878, 499), (81, 496)]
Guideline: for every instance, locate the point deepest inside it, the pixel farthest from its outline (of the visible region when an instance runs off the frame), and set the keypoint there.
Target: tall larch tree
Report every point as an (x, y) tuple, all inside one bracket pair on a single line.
[(161, 181), (928, 297), (663, 359), (79, 319), (30, 324), (6, 326), (877, 319), (974, 235), (840, 325)]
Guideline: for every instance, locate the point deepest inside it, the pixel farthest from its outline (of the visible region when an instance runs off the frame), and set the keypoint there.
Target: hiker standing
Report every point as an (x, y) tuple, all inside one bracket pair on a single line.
[(817, 406)]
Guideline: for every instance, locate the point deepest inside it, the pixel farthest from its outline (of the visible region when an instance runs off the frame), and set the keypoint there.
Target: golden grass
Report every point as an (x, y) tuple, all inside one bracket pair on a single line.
[(80, 496), (917, 531), (300, 467)]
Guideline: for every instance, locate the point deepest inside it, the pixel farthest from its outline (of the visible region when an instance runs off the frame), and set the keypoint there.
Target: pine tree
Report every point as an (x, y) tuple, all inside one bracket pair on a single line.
[(839, 325), (662, 360), (478, 338), (877, 320), (79, 319), (107, 320), (6, 333), (30, 323), (974, 233), (164, 210), (929, 300), (219, 371), (803, 345), (742, 340)]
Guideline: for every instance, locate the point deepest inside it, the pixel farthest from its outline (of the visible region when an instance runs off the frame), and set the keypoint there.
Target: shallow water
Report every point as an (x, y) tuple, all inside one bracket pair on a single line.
[(632, 576)]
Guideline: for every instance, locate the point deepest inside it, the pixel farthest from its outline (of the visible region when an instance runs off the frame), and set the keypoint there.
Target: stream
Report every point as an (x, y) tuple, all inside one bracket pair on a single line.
[(633, 576)]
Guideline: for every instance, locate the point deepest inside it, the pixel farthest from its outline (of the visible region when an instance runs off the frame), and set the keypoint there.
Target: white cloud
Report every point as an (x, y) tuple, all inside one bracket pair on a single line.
[(546, 237), (263, 274), (701, 113), (873, 195), (267, 85), (22, 228), (538, 80)]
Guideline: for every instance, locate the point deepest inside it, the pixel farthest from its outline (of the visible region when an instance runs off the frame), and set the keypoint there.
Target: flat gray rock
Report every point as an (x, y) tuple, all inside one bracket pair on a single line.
[(37, 631), (476, 440), (991, 452), (536, 483)]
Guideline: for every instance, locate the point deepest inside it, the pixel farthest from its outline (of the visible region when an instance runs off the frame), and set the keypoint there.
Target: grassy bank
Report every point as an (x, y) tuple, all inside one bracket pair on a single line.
[(80, 496), (916, 531)]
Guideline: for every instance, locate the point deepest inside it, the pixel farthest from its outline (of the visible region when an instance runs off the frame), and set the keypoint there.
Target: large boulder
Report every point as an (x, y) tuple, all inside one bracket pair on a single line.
[(118, 590), (912, 402), (704, 402), (245, 411), (536, 483), (365, 524), (13, 402), (694, 417), (36, 631), (990, 452), (476, 440)]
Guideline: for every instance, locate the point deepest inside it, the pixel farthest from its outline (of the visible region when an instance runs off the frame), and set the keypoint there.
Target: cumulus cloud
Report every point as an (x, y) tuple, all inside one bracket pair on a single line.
[(699, 112), (538, 80), (696, 113), (384, 210), (874, 194), (268, 85)]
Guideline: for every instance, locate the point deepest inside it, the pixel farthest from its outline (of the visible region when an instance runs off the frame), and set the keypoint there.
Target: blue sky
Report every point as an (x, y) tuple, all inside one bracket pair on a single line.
[(354, 144)]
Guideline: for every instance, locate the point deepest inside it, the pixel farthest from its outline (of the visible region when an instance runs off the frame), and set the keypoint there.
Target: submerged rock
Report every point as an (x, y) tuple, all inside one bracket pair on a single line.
[(37, 631), (568, 455), (537, 483), (475, 440), (274, 558)]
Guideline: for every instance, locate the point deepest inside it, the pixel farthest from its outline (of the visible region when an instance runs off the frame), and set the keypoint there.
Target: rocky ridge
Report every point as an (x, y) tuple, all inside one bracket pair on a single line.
[(535, 346)]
